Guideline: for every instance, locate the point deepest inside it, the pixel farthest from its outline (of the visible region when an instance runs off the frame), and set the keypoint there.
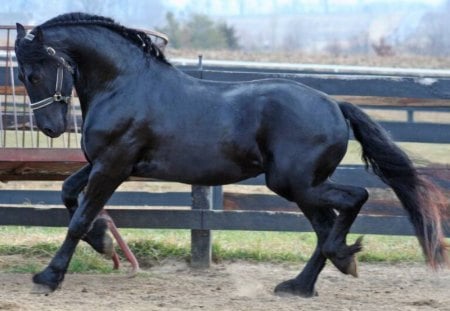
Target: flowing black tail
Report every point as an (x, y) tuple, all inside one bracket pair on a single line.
[(422, 200)]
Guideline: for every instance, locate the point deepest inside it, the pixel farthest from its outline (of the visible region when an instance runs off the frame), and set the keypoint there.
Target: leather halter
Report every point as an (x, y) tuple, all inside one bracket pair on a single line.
[(57, 97)]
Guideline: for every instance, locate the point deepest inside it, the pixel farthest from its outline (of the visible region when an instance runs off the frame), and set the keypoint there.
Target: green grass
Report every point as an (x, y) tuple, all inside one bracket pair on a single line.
[(422, 154), (28, 250)]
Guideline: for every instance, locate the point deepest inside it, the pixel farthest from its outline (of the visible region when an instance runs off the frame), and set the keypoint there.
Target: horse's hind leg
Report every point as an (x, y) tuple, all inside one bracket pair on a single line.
[(318, 204), (347, 200)]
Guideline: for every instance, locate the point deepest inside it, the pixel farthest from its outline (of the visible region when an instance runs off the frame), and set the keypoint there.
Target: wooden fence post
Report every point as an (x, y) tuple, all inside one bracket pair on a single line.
[(201, 246), (217, 198)]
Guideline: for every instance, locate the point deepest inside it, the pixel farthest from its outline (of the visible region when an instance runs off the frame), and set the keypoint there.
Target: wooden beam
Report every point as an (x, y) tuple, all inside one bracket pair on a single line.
[(8, 90), (201, 239), (39, 163), (206, 220), (41, 155), (395, 102)]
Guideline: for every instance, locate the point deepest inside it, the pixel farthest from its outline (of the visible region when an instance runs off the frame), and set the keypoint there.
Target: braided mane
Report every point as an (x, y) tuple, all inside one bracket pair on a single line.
[(137, 37)]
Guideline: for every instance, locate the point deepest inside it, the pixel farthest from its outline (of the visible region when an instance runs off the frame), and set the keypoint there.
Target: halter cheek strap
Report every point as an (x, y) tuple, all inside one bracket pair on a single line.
[(57, 97)]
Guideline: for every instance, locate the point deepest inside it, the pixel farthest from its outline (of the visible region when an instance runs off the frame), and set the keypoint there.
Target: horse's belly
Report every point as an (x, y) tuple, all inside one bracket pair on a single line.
[(200, 172)]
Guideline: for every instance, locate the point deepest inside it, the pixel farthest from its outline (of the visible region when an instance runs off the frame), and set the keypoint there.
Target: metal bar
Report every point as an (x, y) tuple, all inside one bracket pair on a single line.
[(75, 124), (2, 130), (11, 78), (30, 117), (271, 67), (385, 86)]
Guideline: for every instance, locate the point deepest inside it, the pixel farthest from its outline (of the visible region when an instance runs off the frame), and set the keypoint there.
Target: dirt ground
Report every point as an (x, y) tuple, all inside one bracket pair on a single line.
[(235, 286)]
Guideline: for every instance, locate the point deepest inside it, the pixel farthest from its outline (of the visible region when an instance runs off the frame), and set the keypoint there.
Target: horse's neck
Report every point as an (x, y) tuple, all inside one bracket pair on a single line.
[(100, 57)]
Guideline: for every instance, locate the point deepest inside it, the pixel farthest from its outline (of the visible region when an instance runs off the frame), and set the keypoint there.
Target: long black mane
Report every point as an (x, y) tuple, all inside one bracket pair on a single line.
[(137, 37)]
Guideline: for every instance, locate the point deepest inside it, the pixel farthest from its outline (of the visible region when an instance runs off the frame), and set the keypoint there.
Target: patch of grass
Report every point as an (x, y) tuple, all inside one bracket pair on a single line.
[(263, 246), (29, 255), (24, 267), (31, 258), (38, 250), (381, 248), (87, 261), (422, 154), (149, 252)]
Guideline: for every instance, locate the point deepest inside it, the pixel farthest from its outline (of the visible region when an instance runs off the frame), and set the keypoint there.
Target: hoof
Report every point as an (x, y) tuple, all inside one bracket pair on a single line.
[(108, 246), (344, 259), (353, 268), (41, 289), (292, 288), (347, 265), (99, 238), (47, 281), (133, 272)]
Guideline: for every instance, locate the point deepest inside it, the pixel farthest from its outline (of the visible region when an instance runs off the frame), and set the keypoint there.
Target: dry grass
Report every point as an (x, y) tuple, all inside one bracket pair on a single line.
[(295, 57)]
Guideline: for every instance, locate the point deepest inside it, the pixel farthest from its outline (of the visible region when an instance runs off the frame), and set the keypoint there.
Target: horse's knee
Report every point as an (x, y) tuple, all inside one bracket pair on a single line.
[(68, 196), (363, 195), (78, 227), (70, 202), (73, 186), (353, 198)]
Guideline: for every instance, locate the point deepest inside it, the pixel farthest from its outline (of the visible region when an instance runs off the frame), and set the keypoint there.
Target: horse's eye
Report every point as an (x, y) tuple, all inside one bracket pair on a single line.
[(34, 78)]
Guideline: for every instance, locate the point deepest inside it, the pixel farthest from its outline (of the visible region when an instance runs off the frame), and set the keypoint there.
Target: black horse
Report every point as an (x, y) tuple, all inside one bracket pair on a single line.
[(143, 117)]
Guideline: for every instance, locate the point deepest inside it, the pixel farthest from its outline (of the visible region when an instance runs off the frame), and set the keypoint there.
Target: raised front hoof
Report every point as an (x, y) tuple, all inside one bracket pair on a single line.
[(99, 238), (47, 281), (292, 288)]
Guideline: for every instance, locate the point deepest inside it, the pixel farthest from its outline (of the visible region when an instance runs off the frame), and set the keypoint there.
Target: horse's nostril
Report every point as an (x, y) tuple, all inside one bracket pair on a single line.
[(48, 131)]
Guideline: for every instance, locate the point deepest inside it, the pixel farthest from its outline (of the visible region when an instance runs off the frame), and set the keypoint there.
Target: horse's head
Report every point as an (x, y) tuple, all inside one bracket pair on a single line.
[(48, 77)]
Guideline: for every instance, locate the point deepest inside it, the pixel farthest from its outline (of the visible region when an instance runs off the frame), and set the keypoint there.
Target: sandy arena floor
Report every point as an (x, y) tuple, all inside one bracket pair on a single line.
[(235, 286)]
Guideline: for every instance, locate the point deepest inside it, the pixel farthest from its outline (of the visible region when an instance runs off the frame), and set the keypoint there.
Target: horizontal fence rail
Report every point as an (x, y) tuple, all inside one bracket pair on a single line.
[(207, 220)]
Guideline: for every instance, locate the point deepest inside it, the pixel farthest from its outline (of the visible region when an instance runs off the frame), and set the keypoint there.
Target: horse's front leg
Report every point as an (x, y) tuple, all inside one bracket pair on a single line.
[(97, 236), (103, 181), (322, 220)]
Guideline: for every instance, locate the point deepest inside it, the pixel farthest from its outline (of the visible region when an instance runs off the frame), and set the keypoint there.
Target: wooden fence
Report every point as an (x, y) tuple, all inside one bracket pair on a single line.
[(216, 209)]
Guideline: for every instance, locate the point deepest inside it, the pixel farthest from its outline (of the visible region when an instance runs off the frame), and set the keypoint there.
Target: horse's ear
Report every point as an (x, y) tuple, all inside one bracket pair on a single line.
[(39, 35), (21, 32)]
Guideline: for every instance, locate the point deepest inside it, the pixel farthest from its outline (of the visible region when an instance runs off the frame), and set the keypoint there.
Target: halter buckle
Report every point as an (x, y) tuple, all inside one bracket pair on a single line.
[(57, 97), (51, 51)]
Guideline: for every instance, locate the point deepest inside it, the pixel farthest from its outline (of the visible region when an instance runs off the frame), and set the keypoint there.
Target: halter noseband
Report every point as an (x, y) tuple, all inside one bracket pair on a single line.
[(57, 97)]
